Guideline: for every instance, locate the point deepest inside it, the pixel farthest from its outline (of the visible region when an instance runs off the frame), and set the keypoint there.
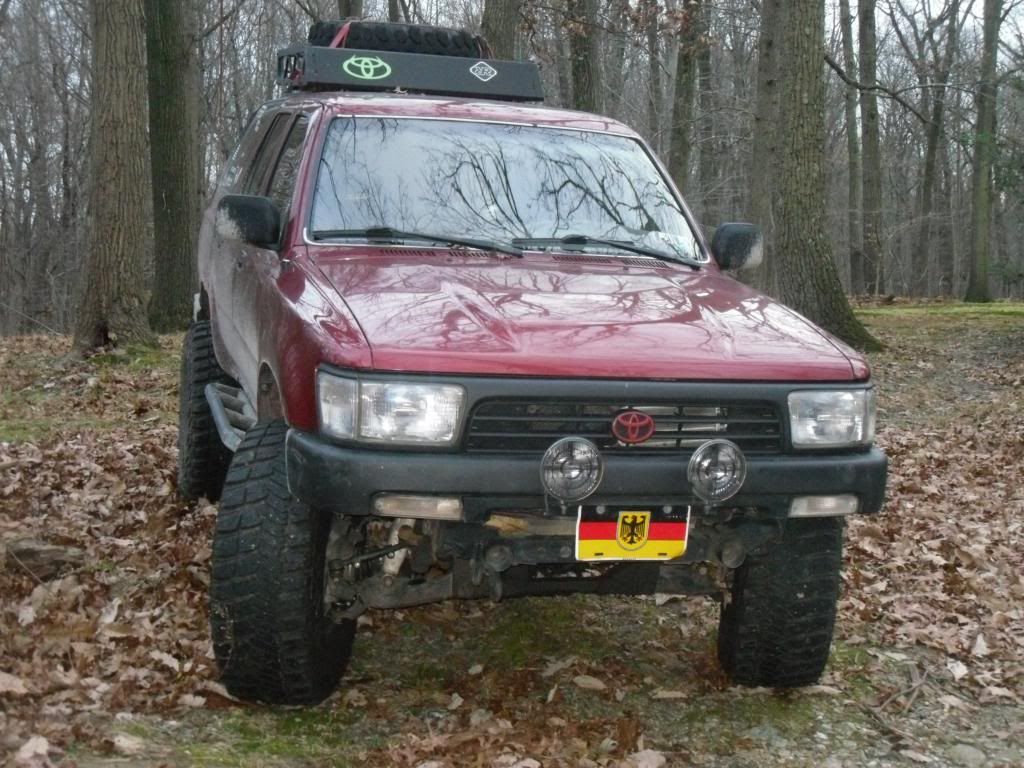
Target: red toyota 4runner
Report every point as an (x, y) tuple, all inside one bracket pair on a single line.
[(454, 344)]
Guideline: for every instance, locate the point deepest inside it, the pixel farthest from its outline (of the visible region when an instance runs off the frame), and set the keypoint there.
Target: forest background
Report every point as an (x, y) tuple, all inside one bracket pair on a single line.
[(923, 154)]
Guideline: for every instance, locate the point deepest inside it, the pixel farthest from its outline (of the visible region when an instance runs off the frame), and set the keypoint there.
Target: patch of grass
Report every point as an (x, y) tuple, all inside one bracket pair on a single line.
[(45, 395), (252, 737), (958, 310), (140, 358), (34, 430), (528, 630)]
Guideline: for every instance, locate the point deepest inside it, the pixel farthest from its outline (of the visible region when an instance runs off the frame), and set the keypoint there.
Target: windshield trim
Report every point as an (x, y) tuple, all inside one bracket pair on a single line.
[(695, 229)]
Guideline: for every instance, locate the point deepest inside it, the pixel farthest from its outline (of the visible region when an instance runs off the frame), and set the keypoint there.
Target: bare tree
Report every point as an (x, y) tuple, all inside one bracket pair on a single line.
[(174, 159), (764, 150), (806, 274), (984, 150), (347, 8), (686, 84), (854, 231), (500, 26), (871, 167), (585, 50), (114, 296)]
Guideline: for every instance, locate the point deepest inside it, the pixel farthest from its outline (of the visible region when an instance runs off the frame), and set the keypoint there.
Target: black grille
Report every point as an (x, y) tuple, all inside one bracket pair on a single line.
[(524, 426)]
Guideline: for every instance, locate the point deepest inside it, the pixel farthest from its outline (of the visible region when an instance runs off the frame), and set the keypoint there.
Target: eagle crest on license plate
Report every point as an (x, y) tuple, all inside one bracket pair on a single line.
[(633, 529)]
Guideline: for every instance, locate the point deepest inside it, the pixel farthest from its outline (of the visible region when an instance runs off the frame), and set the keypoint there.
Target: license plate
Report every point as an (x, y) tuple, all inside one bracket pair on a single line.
[(631, 533)]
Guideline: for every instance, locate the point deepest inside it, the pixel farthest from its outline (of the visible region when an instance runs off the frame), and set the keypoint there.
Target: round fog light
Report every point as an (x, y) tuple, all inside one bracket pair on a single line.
[(717, 470), (571, 469)]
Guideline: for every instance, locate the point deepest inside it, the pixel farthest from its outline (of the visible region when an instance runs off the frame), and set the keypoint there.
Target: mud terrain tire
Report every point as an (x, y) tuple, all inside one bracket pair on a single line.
[(777, 628), (401, 38), (202, 457), (271, 637)]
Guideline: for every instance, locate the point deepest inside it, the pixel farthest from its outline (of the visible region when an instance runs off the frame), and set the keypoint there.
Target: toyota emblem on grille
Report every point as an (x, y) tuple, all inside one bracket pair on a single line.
[(633, 427)]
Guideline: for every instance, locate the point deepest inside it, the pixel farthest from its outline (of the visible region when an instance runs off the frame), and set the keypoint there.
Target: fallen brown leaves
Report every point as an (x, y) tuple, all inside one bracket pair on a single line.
[(124, 629), (943, 566)]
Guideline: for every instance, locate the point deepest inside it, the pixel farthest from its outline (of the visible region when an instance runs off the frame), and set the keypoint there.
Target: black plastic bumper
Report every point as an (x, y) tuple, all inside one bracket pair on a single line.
[(346, 479)]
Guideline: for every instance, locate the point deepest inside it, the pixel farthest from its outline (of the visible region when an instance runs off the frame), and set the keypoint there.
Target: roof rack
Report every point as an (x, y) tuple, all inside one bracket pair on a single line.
[(427, 60)]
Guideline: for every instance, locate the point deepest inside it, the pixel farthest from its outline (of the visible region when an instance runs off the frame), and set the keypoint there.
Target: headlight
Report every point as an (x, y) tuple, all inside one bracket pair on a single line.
[(824, 419), (390, 412)]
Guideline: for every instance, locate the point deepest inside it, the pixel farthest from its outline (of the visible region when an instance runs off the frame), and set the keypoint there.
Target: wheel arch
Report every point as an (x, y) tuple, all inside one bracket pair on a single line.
[(269, 403)]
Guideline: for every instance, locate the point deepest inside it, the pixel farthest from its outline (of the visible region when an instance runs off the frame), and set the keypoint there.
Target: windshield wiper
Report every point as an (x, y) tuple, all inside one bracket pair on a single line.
[(389, 233), (620, 244)]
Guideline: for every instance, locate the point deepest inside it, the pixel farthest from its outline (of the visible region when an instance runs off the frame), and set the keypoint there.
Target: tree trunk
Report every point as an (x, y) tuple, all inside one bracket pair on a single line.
[(806, 275), (618, 39), (114, 296), (585, 54), (708, 156), (174, 159), (394, 11), (682, 104), (925, 264), (347, 8), (981, 163), (853, 155), (874, 281), (500, 26), (651, 19), (764, 154)]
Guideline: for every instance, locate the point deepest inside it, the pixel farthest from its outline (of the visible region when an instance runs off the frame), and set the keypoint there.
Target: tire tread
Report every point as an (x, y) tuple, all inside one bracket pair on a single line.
[(271, 638), (777, 629), (202, 457)]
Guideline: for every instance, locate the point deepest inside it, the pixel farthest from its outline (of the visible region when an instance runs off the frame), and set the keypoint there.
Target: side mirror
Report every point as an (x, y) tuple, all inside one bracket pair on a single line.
[(249, 218), (737, 246)]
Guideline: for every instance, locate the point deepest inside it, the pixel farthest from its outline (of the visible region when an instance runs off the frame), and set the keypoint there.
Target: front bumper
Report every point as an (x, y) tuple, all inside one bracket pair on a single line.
[(345, 479)]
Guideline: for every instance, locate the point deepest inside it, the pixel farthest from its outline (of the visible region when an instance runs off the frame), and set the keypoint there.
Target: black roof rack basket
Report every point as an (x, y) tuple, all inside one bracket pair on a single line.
[(313, 67)]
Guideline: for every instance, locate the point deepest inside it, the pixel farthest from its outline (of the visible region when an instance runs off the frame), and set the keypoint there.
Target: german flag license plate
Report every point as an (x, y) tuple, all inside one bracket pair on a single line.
[(631, 533)]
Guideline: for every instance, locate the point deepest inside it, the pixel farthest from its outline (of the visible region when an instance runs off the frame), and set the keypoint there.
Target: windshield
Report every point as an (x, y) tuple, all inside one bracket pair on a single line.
[(495, 181)]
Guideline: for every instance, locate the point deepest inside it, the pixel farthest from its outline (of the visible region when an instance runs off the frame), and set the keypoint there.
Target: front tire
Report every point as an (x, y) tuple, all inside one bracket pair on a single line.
[(777, 627), (271, 634), (202, 457)]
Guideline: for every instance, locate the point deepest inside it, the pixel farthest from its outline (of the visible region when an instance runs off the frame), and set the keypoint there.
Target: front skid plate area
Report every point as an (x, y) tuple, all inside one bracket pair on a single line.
[(464, 581)]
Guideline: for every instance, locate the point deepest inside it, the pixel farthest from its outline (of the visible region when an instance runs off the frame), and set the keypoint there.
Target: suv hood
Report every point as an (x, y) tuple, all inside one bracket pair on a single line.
[(574, 315)]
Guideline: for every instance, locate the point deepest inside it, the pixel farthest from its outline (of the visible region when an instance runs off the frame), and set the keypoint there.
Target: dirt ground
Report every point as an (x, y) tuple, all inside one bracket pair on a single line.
[(106, 660)]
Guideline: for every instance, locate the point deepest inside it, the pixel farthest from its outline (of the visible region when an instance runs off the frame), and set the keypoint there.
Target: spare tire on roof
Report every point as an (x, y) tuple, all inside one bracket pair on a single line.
[(401, 38)]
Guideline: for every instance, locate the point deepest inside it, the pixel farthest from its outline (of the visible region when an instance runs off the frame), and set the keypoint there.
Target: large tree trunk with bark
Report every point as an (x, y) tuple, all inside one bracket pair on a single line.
[(874, 278), (854, 232), (806, 275), (925, 265), (682, 104), (114, 295), (500, 26), (347, 8), (585, 54), (764, 152), (174, 155), (618, 38), (981, 163)]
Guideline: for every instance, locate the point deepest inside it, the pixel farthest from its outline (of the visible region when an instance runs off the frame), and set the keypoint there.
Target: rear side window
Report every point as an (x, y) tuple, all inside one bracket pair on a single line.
[(246, 148), (255, 179), (282, 183)]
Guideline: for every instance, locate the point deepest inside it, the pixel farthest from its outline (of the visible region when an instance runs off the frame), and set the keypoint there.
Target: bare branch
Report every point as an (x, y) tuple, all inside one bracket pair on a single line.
[(861, 87), (220, 22)]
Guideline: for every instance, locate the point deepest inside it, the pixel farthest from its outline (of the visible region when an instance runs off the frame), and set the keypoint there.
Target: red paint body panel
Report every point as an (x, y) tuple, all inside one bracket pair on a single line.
[(428, 310), (440, 312)]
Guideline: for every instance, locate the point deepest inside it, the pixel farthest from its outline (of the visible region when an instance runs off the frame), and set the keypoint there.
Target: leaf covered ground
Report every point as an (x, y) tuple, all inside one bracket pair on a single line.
[(107, 659)]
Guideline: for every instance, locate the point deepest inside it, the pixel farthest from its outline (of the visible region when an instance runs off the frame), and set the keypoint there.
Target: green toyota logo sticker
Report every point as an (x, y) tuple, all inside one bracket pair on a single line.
[(366, 67)]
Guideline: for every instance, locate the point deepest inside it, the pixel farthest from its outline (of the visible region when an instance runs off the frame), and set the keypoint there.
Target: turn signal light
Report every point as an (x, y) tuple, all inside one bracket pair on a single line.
[(421, 507)]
